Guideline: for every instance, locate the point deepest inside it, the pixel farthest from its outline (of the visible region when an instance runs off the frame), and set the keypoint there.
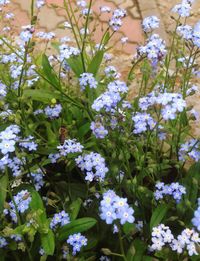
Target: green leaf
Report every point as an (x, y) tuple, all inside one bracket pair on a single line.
[(40, 95), (75, 208), (158, 215), (3, 190), (96, 62), (131, 253), (76, 226), (48, 242), (77, 114), (37, 206), (48, 72), (75, 63), (83, 130), (106, 38), (136, 251), (19, 230), (191, 183), (128, 228), (148, 258), (36, 202)]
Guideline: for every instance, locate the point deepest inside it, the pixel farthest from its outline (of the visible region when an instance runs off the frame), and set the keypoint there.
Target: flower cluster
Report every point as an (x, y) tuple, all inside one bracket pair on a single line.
[(70, 146), (183, 9), (14, 164), (20, 203), (40, 3), (87, 79), (110, 98), (3, 242), (115, 22), (162, 236), (143, 122), (172, 103), (98, 130), (150, 23), (3, 90), (94, 166), (77, 241), (187, 240), (107, 100), (196, 218), (59, 219), (191, 149), (28, 144), (4, 2), (117, 87), (53, 112), (174, 190), (16, 237), (113, 208), (154, 50), (8, 139), (111, 71), (67, 51), (45, 36), (37, 178), (105, 9), (26, 33), (81, 3), (190, 34)]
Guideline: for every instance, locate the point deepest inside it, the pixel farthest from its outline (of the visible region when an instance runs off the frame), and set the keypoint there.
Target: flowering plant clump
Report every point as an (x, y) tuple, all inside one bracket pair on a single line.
[(87, 171)]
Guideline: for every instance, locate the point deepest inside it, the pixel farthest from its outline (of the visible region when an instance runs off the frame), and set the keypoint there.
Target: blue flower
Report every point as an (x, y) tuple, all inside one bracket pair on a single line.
[(143, 122), (87, 79), (59, 219), (77, 241), (27, 33), (155, 49), (174, 190), (196, 35), (21, 204), (183, 9), (191, 149), (107, 101), (7, 146), (40, 3), (3, 90), (111, 71), (118, 87), (196, 218), (67, 51), (113, 207), (126, 215), (53, 112), (17, 238), (94, 166), (69, 146), (108, 214), (185, 31), (115, 22), (28, 144), (150, 23), (37, 178), (98, 130), (3, 242)]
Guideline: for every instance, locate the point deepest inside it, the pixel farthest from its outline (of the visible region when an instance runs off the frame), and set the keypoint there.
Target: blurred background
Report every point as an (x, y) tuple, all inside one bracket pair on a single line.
[(50, 19)]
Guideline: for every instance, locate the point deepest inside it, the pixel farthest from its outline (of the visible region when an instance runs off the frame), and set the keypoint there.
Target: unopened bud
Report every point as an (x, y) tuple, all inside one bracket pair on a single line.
[(106, 251)]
